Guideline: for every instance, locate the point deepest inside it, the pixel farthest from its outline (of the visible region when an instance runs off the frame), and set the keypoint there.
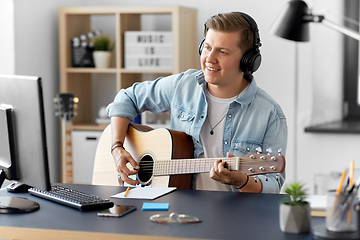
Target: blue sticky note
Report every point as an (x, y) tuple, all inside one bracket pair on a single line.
[(148, 206)]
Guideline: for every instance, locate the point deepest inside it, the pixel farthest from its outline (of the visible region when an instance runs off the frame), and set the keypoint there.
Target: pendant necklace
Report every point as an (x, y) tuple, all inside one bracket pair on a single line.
[(212, 128)]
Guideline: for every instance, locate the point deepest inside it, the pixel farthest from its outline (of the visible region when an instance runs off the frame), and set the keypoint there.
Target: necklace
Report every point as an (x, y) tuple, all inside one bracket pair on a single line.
[(212, 128)]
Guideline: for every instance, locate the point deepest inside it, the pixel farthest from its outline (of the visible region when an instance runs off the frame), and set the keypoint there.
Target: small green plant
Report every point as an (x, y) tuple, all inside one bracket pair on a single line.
[(102, 43), (295, 194)]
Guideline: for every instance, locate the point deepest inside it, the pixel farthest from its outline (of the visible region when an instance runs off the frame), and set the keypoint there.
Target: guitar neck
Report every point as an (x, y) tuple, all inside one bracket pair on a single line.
[(197, 165), (251, 164), (67, 161)]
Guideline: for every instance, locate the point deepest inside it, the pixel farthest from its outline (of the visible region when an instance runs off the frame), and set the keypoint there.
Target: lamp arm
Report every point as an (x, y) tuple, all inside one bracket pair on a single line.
[(344, 30), (321, 19)]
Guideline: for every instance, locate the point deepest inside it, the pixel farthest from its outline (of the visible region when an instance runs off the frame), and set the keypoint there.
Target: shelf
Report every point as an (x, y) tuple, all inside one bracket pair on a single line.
[(346, 126), (89, 126), (115, 70), (91, 70)]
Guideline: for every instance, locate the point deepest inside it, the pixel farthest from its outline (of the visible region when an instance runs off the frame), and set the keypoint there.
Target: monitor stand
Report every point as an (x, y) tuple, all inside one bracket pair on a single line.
[(16, 204)]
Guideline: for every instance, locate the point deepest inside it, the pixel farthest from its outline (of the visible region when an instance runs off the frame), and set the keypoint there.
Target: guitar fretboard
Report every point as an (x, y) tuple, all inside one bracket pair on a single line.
[(197, 165)]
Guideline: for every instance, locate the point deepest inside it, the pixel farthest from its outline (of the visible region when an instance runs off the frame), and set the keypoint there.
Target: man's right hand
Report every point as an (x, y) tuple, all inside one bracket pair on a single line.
[(122, 157)]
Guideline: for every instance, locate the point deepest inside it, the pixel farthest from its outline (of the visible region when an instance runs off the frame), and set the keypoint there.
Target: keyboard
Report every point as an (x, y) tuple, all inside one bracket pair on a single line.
[(72, 198)]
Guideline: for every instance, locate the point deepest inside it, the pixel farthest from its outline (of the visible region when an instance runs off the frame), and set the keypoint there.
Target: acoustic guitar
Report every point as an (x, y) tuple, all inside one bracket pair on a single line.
[(166, 158)]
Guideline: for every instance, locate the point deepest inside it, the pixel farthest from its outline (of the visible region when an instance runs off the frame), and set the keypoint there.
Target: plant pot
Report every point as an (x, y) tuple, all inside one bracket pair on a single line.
[(295, 219), (102, 59)]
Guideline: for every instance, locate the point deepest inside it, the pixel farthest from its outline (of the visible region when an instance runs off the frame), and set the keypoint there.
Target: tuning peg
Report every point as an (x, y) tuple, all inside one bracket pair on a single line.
[(267, 177), (279, 151), (256, 179), (258, 150), (269, 151), (248, 149), (278, 177)]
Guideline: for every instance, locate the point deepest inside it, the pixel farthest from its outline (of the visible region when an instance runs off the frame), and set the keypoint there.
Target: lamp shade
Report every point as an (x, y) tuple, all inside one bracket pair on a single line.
[(291, 23)]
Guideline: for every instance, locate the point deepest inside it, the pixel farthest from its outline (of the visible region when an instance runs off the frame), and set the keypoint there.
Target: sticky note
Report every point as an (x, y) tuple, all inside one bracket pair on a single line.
[(148, 206)]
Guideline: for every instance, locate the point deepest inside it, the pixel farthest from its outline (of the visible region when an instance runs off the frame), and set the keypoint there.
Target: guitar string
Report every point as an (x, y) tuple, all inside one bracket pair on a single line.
[(145, 166), (196, 161)]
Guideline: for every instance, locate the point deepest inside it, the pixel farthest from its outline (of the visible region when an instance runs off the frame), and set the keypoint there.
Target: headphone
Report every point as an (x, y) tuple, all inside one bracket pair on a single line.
[(251, 60)]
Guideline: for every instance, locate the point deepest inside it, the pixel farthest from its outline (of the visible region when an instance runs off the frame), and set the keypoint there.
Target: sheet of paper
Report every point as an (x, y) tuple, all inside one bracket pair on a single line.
[(317, 202), (145, 192), (317, 205)]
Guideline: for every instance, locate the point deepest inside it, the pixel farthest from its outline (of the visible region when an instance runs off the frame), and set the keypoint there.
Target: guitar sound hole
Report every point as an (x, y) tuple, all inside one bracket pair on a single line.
[(146, 169)]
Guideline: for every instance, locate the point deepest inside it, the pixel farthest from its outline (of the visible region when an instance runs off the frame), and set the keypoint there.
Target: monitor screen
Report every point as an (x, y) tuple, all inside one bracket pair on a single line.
[(23, 148)]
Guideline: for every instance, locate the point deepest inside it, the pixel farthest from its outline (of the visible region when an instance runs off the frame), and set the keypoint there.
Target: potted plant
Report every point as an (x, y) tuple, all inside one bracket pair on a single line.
[(102, 45), (295, 210)]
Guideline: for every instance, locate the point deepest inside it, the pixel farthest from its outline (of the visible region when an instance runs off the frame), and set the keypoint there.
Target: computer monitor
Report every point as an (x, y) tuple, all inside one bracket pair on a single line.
[(23, 148)]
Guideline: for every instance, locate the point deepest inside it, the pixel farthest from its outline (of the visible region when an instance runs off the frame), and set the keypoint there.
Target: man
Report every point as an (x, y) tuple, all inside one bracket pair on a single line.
[(220, 107)]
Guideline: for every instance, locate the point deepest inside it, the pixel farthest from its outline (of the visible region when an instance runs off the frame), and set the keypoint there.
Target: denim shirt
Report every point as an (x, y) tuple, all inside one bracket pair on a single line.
[(253, 120)]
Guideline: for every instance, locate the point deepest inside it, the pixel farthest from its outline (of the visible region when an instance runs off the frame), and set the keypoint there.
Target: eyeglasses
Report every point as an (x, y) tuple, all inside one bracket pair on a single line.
[(174, 218)]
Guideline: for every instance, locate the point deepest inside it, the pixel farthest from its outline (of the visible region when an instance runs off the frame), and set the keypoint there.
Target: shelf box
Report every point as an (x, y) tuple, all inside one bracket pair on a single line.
[(149, 63), (146, 50)]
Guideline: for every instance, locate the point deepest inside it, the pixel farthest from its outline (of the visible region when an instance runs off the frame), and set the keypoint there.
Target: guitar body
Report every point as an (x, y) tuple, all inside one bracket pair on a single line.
[(144, 142)]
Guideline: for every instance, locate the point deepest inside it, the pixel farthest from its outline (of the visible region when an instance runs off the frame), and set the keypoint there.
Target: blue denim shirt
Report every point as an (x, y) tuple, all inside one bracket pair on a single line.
[(253, 120)]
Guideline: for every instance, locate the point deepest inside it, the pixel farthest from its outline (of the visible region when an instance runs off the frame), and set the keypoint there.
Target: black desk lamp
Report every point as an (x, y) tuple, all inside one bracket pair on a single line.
[(293, 23)]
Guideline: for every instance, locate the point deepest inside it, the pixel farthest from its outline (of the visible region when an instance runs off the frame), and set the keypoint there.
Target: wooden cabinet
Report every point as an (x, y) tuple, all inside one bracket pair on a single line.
[(75, 21)]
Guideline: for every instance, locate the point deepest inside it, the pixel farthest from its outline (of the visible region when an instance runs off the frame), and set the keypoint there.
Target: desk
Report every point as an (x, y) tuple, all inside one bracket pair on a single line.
[(225, 215)]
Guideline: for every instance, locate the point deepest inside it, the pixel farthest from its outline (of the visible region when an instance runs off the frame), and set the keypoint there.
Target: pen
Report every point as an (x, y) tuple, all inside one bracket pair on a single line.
[(343, 175), (338, 191), (351, 174), (127, 191), (351, 187)]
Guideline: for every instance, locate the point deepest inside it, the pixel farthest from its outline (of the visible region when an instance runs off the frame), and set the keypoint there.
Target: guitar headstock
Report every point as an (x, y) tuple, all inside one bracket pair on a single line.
[(65, 105), (256, 163)]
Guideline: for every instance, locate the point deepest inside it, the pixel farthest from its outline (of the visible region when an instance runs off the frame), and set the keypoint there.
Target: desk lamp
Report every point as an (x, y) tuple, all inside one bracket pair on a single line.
[(293, 23)]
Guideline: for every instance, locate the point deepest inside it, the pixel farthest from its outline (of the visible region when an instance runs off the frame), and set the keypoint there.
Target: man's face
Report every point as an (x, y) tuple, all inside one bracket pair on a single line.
[(220, 58)]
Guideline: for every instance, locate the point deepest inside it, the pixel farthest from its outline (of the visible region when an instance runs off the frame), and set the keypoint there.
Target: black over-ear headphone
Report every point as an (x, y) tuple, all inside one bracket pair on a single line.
[(251, 60)]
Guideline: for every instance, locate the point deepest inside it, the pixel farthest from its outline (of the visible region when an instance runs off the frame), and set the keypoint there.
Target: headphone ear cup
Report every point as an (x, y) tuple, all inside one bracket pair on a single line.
[(201, 46), (250, 62)]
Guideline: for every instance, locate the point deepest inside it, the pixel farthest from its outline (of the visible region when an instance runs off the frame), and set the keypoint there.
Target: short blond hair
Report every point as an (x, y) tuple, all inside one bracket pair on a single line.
[(232, 22)]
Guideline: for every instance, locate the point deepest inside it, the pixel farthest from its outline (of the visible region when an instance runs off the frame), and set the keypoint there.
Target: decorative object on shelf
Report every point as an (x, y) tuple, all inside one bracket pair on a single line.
[(82, 50), (102, 53), (103, 117), (294, 210), (148, 50)]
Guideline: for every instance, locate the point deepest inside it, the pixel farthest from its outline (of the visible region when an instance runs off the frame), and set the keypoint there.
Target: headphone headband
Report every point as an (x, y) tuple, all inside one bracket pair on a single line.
[(254, 28)]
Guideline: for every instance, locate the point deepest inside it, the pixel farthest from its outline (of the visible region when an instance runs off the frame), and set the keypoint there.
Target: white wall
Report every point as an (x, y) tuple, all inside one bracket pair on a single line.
[(319, 75), (7, 61)]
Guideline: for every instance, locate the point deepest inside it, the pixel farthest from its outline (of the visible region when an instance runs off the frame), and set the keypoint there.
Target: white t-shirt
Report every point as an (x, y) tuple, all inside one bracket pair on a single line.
[(212, 144)]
